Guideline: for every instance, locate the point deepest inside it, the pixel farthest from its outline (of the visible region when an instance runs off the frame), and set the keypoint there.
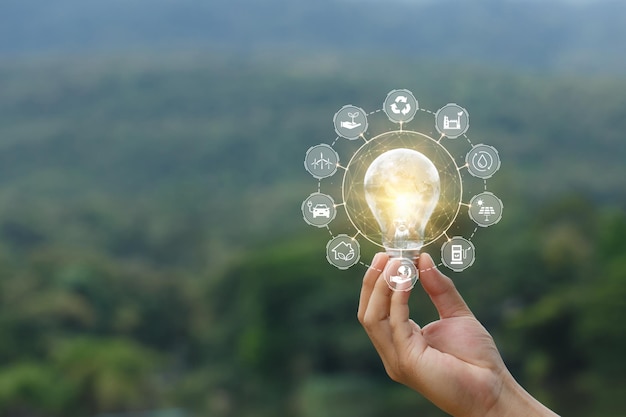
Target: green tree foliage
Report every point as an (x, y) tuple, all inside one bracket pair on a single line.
[(570, 337), (107, 374), (33, 389)]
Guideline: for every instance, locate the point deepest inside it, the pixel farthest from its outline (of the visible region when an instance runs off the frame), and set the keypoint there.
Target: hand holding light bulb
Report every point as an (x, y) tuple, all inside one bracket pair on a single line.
[(452, 361)]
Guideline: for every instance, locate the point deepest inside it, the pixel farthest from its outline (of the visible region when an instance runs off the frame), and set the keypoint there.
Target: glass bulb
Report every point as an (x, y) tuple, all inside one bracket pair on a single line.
[(402, 190)]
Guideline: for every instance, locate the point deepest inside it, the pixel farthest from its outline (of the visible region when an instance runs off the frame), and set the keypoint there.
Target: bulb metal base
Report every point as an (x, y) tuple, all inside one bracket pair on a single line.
[(412, 254)]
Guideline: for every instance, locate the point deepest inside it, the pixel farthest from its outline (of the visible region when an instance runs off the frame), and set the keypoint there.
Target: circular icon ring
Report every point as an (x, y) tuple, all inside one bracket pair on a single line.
[(401, 274), (350, 122), (319, 210), (343, 251), (483, 161), (400, 106), (485, 209), (321, 161), (452, 120), (458, 254)]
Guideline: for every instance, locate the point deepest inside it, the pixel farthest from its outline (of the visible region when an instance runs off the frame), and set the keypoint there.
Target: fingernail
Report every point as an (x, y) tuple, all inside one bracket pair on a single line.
[(424, 259)]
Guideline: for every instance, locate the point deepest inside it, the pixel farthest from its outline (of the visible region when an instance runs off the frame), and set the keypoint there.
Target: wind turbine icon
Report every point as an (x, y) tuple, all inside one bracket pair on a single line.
[(322, 162)]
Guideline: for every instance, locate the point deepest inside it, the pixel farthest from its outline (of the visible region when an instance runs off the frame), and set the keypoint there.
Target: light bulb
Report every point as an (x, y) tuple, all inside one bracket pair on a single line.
[(402, 190)]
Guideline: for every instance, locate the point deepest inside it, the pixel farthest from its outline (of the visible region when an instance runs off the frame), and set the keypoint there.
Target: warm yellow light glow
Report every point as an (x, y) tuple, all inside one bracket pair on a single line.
[(401, 205), (402, 190)]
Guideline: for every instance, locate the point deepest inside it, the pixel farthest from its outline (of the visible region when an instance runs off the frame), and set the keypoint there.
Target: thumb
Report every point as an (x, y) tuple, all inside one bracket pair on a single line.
[(441, 290)]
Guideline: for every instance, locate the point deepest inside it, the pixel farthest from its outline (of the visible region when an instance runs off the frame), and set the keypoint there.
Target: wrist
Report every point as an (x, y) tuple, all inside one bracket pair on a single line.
[(515, 401)]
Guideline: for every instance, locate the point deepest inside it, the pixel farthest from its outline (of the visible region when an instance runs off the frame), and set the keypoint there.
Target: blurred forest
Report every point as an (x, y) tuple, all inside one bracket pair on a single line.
[(154, 261)]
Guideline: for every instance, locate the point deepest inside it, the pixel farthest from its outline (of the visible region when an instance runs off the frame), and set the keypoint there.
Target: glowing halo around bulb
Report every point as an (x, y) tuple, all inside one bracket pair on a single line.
[(434, 157), (402, 190)]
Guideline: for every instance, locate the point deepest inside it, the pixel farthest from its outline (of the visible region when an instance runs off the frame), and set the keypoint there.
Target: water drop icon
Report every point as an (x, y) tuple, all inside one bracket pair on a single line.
[(482, 162)]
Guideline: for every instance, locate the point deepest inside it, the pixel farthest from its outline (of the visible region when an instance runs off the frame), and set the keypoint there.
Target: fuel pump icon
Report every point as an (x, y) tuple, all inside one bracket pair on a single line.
[(456, 255)]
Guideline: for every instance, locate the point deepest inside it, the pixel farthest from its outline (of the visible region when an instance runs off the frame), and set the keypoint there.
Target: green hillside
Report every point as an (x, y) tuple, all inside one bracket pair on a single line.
[(205, 135), (153, 253)]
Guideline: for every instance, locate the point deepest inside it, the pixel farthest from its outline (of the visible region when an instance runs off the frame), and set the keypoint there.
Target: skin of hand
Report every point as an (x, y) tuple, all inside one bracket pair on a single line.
[(452, 361)]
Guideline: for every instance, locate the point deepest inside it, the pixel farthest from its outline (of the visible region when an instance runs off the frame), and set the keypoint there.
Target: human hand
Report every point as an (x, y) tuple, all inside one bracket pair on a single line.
[(452, 361)]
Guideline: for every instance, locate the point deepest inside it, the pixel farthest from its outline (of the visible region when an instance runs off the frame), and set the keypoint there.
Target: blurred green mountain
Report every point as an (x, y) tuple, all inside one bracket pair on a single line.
[(198, 141)]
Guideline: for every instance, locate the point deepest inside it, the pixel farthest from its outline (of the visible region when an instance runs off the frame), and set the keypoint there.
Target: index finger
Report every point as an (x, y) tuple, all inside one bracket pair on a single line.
[(441, 290), (370, 278)]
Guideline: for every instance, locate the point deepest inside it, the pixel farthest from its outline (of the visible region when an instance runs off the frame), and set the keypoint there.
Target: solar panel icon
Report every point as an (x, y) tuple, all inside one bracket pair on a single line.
[(487, 211)]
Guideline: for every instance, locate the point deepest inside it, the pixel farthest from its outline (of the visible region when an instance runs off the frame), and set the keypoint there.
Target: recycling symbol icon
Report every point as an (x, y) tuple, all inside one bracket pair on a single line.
[(406, 108), (400, 106)]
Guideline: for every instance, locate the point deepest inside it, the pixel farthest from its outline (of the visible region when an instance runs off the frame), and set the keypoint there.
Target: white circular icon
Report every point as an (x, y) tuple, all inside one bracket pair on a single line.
[(400, 106), (452, 120), (485, 209), (321, 161), (458, 254), (350, 122), (343, 251), (319, 209), (483, 161), (401, 274)]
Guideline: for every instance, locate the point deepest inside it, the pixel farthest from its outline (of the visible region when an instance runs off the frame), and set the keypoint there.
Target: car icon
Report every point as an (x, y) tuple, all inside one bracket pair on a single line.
[(321, 210)]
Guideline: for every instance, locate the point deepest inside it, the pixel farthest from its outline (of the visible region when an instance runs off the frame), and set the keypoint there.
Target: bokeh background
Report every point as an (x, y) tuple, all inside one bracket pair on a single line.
[(153, 257)]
